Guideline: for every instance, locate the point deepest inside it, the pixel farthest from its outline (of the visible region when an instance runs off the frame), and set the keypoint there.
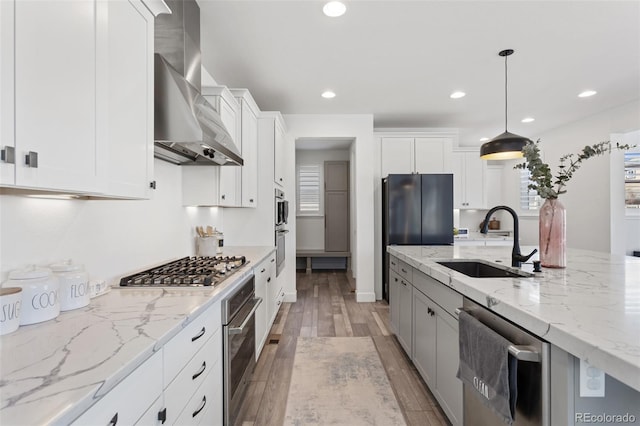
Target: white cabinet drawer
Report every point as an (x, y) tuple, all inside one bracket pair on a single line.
[(179, 350), (394, 263), (203, 403), (187, 382), (447, 298), (405, 271), (130, 399)]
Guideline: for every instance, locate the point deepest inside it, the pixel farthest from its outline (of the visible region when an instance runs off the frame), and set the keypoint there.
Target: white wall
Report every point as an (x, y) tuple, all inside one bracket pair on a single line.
[(310, 228), (360, 128), (110, 237), (589, 193)]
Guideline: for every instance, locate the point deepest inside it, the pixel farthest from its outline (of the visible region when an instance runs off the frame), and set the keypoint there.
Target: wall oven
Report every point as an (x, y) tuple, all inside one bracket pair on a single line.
[(282, 213), (239, 351), (282, 208)]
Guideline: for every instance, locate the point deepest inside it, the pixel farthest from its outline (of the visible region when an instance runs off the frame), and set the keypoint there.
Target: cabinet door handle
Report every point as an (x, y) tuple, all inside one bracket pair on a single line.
[(403, 270), (204, 366), (403, 283), (31, 159), (204, 402), (113, 421), (263, 269), (251, 200), (8, 155), (162, 416), (223, 196), (431, 312), (269, 279), (273, 260), (199, 335)]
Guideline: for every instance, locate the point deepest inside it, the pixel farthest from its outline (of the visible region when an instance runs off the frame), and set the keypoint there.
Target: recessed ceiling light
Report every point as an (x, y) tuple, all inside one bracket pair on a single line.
[(457, 95), (528, 120), (587, 93), (484, 139), (328, 94), (334, 9)]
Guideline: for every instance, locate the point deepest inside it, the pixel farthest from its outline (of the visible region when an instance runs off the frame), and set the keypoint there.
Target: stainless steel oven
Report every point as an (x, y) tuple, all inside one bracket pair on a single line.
[(282, 208), (239, 350)]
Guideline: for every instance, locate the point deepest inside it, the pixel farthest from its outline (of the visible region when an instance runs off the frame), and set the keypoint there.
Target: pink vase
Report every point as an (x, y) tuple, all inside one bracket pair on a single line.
[(553, 234)]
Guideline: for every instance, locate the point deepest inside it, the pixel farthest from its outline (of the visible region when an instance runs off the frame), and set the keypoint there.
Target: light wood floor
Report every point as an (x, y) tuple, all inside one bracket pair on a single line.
[(326, 306)]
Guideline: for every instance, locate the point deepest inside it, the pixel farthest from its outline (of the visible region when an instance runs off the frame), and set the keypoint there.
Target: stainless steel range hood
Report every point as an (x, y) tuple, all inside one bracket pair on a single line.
[(188, 130)]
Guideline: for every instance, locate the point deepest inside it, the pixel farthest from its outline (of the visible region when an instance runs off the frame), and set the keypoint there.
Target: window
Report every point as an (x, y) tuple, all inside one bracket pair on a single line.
[(529, 199), (632, 179), (309, 196)]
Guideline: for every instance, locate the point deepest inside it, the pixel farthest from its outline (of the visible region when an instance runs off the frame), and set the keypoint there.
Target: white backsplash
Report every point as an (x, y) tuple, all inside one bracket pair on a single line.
[(110, 237)]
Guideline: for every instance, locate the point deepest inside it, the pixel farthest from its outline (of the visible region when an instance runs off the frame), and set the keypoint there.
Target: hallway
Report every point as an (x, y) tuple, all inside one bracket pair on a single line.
[(326, 307)]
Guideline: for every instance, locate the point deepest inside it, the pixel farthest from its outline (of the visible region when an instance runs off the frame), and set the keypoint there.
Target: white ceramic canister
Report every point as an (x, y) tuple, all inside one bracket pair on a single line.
[(206, 246), (74, 285), (10, 302), (39, 294)]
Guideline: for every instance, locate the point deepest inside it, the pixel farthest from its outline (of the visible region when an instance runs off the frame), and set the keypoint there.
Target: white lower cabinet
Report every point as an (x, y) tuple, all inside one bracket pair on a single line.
[(405, 316), (180, 384), (427, 329), (394, 300), (275, 294), (264, 273), (424, 336), (129, 400)]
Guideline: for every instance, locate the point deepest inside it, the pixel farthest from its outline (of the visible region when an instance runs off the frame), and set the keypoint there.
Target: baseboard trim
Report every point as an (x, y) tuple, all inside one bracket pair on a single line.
[(365, 297), (291, 297)]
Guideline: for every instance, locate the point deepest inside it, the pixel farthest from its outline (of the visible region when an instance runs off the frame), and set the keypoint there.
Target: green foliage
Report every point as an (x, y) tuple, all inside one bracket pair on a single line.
[(543, 182)]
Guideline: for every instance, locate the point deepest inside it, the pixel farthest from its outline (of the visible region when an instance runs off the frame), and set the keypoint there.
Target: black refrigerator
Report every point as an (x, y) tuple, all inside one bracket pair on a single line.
[(416, 210)]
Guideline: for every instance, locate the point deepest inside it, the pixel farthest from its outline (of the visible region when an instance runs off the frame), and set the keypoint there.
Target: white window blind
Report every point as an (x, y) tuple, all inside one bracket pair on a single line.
[(529, 199), (309, 187)]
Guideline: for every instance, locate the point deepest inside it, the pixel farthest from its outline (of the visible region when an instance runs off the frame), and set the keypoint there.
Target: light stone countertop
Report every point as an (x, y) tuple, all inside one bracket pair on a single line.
[(53, 371), (590, 309)]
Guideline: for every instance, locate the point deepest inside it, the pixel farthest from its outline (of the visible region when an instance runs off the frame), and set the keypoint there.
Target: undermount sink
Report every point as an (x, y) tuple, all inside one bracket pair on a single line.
[(480, 269)]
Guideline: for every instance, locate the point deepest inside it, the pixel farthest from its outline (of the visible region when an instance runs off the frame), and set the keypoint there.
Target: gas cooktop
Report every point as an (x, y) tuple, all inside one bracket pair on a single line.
[(187, 272)]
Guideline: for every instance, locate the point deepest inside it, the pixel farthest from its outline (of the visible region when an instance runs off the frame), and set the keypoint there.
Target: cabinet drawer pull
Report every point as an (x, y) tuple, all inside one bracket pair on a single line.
[(162, 416), (8, 155), (31, 159), (273, 260), (251, 200), (269, 279), (199, 335), (431, 311), (402, 269), (403, 283), (263, 269), (113, 421), (204, 366), (204, 402)]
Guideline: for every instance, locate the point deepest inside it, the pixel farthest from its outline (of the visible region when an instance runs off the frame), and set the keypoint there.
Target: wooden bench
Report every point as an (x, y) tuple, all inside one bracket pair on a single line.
[(309, 254)]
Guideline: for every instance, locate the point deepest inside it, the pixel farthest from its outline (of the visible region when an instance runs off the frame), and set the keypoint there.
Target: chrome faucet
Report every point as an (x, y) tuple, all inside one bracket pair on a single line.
[(516, 257)]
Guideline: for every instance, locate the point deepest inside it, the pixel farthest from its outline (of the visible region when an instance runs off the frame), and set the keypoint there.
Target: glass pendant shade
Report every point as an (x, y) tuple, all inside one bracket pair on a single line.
[(503, 147)]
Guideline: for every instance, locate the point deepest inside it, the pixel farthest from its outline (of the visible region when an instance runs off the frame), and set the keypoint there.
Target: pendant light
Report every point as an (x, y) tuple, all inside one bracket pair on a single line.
[(507, 145)]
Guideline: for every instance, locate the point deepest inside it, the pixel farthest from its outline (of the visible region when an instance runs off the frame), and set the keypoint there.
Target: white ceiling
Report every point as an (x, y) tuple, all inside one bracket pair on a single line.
[(400, 60)]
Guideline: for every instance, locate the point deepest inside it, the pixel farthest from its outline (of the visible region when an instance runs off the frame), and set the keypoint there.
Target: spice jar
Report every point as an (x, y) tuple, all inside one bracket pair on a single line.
[(74, 285)]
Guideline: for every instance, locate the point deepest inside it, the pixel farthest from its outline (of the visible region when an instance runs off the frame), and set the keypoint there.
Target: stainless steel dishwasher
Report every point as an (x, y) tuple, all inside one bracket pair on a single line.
[(532, 353)]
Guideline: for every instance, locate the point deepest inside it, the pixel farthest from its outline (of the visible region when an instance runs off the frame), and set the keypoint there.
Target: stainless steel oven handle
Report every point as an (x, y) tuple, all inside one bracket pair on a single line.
[(521, 353), (239, 330)]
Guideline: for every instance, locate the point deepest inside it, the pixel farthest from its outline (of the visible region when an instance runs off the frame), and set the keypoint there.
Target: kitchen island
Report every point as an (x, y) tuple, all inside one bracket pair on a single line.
[(52, 372), (589, 310)]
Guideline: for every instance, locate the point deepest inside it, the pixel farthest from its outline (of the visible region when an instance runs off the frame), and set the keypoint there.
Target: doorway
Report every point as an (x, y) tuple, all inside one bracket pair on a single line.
[(323, 204)]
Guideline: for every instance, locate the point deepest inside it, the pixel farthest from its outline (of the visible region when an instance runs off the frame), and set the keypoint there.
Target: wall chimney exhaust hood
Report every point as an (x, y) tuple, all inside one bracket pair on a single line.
[(187, 129)]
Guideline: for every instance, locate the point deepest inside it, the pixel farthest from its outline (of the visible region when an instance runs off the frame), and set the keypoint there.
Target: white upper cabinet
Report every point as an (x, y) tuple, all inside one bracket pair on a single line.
[(7, 139), (129, 114), (55, 96), (433, 155), (249, 112), (469, 176), (76, 111), (280, 162), (425, 154), (227, 106)]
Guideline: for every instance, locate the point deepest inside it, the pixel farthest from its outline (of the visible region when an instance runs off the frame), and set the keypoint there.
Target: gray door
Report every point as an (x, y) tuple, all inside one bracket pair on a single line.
[(336, 206)]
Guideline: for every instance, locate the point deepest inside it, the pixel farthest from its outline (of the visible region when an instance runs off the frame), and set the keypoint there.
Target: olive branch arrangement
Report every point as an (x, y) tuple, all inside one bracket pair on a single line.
[(543, 182)]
